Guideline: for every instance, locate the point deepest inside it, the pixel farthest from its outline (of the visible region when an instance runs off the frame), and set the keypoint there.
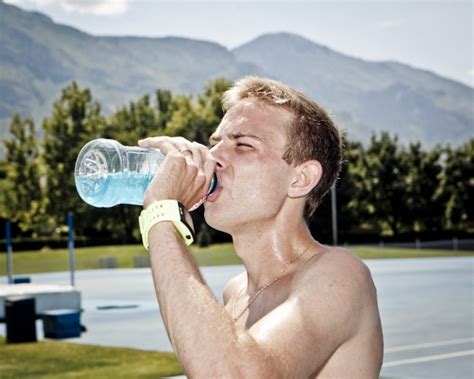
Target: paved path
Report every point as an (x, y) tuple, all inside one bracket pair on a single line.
[(427, 310)]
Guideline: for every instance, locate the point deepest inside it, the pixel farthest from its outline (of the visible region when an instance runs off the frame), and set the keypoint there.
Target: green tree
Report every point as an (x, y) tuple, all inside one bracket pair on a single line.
[(183, 119), (382, 176), (75, 120), (346, 199), (196, 121), (210, 99), (210, 110), (164, 100), (348, 188), (137, 121), (456, 189), (424, 210), (23, 195), (127, 125), (359, 205)]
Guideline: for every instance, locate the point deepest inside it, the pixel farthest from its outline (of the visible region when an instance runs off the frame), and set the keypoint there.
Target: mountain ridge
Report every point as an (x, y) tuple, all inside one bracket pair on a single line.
[(40, 57), (367, 96)]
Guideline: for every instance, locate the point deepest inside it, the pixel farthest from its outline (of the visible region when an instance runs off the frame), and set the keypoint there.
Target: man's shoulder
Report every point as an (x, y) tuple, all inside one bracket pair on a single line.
[(334, 268), (335, 259)]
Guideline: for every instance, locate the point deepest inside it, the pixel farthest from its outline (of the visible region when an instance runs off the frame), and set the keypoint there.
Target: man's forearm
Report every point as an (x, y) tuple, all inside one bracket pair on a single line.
[(203, 334)]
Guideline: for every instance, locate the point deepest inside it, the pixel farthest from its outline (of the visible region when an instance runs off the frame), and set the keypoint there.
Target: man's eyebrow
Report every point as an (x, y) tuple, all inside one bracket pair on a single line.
[(234, 136), (242, 135)]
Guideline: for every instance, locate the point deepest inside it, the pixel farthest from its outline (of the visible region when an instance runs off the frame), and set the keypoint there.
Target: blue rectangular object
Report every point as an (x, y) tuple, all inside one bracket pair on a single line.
[(62, 323), (21, 279)]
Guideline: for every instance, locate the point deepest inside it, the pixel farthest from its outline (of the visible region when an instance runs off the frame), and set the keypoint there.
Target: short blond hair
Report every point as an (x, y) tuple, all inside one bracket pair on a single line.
[(312, 135)]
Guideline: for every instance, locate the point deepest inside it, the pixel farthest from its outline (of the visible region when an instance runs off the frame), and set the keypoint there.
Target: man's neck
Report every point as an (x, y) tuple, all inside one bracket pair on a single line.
[(267, 248)]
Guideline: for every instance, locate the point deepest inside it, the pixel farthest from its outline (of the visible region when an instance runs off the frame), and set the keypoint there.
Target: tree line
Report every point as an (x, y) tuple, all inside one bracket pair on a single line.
[(384, 188)]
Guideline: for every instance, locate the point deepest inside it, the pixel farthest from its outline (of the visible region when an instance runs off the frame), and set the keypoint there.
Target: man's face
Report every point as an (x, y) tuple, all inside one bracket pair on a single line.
[(253, 178)]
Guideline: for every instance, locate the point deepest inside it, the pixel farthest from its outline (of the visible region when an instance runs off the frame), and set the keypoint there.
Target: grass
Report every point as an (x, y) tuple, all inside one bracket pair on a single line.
[(51, 359), (89, 257), (214, 255)]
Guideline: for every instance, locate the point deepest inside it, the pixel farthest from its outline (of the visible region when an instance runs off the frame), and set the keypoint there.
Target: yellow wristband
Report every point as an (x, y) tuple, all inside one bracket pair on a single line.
[(164, 210)]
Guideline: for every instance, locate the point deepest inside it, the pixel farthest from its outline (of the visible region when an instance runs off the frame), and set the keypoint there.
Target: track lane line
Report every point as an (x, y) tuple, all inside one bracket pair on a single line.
[(428, 358), (429, 344)]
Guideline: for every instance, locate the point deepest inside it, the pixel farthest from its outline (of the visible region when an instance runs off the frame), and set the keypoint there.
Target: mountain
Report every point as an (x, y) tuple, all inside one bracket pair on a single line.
[(366, 96), (39, 57)]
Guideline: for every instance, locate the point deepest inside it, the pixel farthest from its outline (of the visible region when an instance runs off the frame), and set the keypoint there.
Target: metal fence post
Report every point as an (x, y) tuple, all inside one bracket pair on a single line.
[(8, 230), (70, 222)]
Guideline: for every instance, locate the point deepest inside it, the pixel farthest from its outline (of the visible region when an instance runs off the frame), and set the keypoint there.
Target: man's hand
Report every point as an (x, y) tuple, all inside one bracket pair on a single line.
[(186, 173)]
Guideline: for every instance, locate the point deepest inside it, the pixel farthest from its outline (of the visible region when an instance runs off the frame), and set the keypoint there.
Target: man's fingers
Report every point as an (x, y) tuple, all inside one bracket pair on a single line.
[(192, 152), (151, 142), (164, 144), (196, 156), (172, 144)]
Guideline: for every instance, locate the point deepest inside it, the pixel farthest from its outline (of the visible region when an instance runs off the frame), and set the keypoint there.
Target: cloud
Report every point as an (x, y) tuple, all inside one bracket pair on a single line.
[(389, 24), (95, 7)]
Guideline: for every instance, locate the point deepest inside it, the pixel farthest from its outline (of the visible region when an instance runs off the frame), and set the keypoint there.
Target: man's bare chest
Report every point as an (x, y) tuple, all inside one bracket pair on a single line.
[(247, 309)]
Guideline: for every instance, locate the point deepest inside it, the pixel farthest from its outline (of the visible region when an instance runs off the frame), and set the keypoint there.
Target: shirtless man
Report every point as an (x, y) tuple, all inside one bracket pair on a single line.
[(300, 309)]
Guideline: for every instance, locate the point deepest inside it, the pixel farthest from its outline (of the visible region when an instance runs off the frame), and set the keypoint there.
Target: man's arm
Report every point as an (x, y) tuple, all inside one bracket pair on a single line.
[(293, 340), (205, 338)]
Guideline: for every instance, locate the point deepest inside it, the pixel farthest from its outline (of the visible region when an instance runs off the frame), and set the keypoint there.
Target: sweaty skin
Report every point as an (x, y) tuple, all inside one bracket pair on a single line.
[(319, 315)]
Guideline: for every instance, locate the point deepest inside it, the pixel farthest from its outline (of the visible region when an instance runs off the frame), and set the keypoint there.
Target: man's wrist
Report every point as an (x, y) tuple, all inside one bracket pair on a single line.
[(149, 200), (166, 210), (162, 232)]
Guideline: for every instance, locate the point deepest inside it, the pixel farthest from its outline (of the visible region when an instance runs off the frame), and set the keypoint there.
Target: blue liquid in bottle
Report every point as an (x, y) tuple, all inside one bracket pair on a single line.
[(108, 173), (113, 189)]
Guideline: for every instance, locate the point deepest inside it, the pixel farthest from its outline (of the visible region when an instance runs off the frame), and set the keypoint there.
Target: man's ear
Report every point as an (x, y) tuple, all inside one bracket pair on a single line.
[(307, 176)]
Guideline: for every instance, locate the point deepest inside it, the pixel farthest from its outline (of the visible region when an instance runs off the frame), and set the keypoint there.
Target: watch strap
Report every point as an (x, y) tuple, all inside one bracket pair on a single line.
[(165, 210)]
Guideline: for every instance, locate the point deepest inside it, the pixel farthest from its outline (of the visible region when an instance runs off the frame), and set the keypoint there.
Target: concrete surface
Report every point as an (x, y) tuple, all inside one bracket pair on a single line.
[(426, 305)]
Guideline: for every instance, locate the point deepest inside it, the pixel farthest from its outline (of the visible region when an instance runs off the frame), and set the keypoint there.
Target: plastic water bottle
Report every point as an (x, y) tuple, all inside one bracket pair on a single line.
[(108, 173)]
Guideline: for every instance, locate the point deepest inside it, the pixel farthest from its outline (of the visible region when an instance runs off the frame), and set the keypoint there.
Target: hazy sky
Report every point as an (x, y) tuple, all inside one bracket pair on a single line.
[(434, 35)]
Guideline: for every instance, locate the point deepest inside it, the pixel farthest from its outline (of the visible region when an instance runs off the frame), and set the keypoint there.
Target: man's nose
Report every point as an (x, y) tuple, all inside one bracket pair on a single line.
[(219, 154)]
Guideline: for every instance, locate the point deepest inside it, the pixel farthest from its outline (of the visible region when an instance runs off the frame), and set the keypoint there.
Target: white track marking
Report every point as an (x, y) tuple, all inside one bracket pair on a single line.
[(429, 344), (428, 358)]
